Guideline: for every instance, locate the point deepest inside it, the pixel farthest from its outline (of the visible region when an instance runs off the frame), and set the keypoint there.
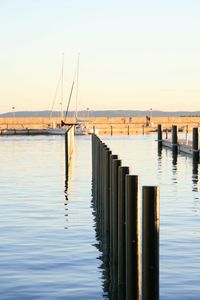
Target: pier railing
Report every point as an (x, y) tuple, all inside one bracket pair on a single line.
[(69, 146), (117, 209)]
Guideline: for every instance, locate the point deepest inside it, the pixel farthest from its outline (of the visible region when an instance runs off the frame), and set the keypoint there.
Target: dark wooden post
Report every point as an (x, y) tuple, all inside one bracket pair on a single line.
[(174, 135), (115, 165), (122, 172), (150, 243), (66, 153), (174, 140), (159, 133), (132, 239), (195, 143), (112, 158)]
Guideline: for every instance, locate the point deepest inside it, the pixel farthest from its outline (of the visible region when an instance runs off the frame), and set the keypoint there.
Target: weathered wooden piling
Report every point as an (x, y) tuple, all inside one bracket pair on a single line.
[(174, 138), (113, 194), (159, 139), (132, 239), (122, 172), (195, 143), (69, 146), (159, 133), (150, 243), (116, 163), (107, 200)]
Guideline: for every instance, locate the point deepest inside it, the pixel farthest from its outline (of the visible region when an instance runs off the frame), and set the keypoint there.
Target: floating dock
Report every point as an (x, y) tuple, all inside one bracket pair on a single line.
[(181, 145)]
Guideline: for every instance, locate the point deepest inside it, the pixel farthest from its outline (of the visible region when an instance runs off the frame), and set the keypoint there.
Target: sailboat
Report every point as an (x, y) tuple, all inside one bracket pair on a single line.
[(80, 127), (57, 128)]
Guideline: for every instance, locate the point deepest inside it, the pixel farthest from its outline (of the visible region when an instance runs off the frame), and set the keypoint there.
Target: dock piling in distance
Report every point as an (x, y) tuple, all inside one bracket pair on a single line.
[(174, 138), (69, 146), (185, 146), (195, 143), (159, 133)]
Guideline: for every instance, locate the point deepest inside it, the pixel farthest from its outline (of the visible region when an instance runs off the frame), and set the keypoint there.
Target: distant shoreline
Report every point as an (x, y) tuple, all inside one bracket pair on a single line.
[(102, 113)]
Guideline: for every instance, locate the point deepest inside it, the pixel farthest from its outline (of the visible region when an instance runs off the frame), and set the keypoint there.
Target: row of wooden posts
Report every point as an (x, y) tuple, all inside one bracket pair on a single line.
[(181, 145), (133, 274)]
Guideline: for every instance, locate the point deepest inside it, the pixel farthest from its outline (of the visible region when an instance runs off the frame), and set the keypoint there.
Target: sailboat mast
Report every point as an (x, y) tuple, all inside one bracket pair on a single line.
[(77, 79), (61, 96)]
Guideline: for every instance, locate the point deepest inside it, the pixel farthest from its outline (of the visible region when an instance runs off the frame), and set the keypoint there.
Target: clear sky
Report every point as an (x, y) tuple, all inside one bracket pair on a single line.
[(133, 54)]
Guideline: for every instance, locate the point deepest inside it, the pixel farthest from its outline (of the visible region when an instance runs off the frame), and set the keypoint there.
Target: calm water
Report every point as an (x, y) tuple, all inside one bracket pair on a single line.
[(48, 248)]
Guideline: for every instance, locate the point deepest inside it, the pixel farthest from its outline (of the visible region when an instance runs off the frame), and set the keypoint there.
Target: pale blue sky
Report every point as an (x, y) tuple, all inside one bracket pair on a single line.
[(133, 54)]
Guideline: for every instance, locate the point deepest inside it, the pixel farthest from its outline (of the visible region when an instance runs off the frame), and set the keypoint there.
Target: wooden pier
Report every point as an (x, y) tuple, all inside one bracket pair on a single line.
[(189, 147)]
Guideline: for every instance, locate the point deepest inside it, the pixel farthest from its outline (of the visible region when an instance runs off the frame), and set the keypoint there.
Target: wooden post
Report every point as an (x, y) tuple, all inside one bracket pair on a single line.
[(115, 165), (112, 158), (66, 153), (132, 239), (174, 135), (111, 130), (128, 129), (174, 140), (69, 144), (107, 202), (150, 243), (195, 144), (159, 133), (122, 172)]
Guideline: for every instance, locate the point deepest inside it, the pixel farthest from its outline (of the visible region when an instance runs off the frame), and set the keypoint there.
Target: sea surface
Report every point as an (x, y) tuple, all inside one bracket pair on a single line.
[(48, 246)]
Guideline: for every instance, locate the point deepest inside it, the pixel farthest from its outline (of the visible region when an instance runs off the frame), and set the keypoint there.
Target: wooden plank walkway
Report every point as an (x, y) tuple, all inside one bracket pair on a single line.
[(183, 146)]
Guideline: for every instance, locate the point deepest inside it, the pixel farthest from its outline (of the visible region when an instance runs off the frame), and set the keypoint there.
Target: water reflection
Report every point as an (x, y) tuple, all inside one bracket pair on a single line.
[(195, 166), (195, 187), (68, 174), (174, 164), (175, 157)]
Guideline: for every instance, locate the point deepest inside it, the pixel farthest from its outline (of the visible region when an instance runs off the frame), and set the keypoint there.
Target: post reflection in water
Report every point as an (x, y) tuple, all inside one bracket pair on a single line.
[(159, 151), (195, 179), (195, 166), (174, 164), (68, 174)]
